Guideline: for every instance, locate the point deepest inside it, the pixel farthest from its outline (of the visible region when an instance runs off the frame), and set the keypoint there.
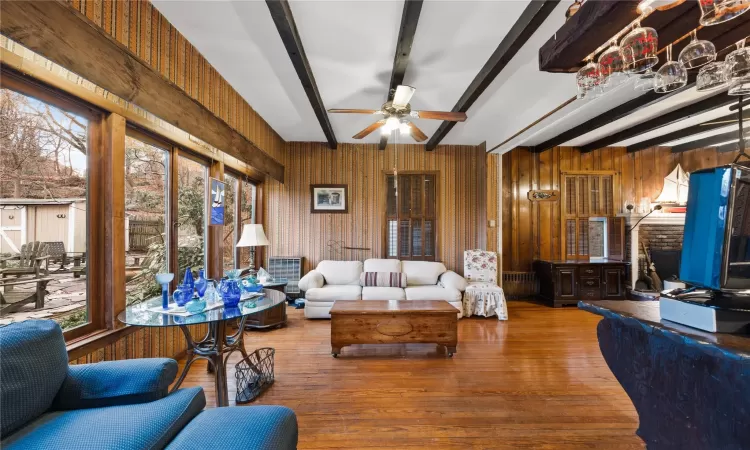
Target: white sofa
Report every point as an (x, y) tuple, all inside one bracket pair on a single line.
[(335, 281)]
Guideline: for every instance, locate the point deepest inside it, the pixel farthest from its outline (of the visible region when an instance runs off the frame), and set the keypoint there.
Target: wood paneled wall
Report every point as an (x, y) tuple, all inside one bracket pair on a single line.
[(139, 26), (294, 231), (144, 342), (531, 230)]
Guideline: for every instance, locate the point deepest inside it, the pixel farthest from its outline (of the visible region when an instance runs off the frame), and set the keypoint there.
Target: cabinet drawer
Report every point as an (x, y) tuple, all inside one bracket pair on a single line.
[(588, 282), (590, 271), (590, 293)]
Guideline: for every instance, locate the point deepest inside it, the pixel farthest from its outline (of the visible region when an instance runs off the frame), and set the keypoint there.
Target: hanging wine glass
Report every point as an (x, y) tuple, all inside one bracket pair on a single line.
[(589, 78), (645, 82), (612, 66), (671, 76), (712, 76), (697, 53), (639, 49), (714, 12), (738, 68)]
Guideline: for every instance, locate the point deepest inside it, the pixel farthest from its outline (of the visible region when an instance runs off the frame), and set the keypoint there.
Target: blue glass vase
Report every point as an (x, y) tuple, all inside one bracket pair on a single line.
[(201, 284), (196, 305), (188, 280), (231, 292), (182, 294)]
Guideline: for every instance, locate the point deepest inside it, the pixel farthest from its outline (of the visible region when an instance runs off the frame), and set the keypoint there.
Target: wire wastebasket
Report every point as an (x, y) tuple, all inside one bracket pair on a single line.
[(254, 374)]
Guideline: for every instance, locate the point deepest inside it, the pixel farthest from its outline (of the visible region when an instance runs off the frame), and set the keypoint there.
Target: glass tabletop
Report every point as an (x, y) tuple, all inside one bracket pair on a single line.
[(139, 315), (275, 283)]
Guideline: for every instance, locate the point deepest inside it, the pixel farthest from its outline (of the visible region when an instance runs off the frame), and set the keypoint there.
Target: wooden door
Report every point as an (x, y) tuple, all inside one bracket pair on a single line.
[(52, 223), (612, 288), (566, 282), (12, 234)]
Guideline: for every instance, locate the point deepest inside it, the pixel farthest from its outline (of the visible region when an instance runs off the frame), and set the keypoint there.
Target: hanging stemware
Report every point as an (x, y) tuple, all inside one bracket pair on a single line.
[(671, 76), (589, 79), (639, 49), (612, 66), (697, 53), (712, 76), (645, 82), (714, 12), (738, 69)]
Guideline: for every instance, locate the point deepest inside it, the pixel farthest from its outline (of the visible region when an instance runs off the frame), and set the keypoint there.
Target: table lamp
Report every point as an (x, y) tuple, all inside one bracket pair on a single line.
[(252, 236)]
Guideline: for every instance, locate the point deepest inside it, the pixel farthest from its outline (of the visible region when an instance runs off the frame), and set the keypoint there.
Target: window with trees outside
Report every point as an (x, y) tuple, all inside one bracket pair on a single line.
[(411, 216), (246, 255), (146, 218), (230, 232), (192, 187), (44, 168)]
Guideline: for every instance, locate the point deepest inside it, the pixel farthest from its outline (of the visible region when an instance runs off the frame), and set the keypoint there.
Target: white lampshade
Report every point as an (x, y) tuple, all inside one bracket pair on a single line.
[(252, 236)]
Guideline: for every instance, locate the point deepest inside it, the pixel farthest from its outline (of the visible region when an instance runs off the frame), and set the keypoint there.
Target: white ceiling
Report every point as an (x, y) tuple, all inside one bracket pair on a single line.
[(350, 45)]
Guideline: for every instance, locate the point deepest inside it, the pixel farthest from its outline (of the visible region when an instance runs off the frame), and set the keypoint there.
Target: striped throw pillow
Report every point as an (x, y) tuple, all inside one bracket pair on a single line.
[(383, 279)]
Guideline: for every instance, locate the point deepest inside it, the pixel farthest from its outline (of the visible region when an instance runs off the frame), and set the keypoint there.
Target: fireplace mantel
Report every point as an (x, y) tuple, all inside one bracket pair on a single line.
[(656, 218)]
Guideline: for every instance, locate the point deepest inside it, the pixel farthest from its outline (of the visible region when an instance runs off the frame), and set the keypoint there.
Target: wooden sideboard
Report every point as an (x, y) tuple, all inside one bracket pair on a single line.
[(566, 282)]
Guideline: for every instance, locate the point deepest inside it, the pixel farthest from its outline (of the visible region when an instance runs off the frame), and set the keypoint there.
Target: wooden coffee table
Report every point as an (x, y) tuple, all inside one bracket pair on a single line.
[(393, 322)]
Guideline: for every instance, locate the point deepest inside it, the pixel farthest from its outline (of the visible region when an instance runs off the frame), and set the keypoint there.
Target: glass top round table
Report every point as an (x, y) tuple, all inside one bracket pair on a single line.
[(216, 346), (145, 314)]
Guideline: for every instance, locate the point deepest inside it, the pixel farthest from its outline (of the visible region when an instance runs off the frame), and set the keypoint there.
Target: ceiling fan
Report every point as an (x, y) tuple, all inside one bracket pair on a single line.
[(397, 115)]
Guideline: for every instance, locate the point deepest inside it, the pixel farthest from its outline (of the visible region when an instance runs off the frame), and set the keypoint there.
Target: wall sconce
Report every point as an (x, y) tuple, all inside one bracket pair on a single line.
[(61, 216), (11, 217)]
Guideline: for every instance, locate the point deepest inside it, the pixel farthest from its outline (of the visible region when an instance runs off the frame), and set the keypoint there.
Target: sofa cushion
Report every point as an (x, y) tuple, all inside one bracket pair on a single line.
[(143, 426), (383, 279), (33, 366), (432, 293), (340, 272), (382, 265), (422, 273), (330, 293), (382, 293), (256, 428)]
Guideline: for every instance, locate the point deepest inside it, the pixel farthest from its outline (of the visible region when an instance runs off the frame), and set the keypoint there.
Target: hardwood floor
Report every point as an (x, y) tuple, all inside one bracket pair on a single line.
[(536, 381)]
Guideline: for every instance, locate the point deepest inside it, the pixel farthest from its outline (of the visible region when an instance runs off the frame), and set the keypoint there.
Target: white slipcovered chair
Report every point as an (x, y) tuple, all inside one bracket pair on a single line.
[(483, 297)]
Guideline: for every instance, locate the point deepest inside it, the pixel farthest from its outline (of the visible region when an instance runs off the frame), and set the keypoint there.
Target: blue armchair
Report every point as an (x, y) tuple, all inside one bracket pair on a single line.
[(44, 403)]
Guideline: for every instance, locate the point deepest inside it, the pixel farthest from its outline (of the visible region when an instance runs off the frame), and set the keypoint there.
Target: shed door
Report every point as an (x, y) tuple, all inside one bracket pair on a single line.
[(11, 229), (52, 223)]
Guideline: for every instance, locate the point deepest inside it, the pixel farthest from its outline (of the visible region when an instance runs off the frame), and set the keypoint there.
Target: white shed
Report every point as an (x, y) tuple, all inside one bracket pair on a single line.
[(25, 220)]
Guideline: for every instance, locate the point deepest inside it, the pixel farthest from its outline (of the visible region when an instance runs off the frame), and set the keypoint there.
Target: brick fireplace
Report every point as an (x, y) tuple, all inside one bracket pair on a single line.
[(661, 232)]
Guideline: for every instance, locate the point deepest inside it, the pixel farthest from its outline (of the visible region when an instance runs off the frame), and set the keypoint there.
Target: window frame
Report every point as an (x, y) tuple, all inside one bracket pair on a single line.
[(108, 126), (435, 218)]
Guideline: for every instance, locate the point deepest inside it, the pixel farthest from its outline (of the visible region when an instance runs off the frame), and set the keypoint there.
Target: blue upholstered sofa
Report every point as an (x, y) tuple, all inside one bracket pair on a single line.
[(46, 404)]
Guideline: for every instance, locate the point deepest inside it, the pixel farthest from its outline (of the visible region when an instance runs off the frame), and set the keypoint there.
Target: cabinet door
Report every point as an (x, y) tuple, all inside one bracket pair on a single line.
[(566, 282), (612, 286)]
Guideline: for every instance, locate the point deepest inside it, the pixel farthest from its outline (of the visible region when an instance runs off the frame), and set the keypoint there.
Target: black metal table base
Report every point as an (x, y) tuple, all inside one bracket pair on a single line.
[(215, 347)]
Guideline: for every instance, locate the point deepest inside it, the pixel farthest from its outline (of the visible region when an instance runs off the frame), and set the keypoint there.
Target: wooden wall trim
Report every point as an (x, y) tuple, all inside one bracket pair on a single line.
[(215, 234), (113, 178), (67, 37)]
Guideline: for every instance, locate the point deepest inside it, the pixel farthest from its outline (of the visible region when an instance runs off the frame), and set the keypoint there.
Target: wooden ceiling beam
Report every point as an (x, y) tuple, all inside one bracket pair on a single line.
[(685, 132), (717, 101), (284, 20), (710, 141), (531, 19), (63, 35), (409, 21)]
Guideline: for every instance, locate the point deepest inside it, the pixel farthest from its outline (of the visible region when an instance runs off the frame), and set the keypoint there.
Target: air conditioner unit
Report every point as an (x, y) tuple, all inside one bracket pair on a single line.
[(289, 267)]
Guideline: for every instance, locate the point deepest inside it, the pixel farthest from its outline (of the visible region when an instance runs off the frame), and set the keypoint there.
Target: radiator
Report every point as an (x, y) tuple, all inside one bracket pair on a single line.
[(520, 285), (289, 268)]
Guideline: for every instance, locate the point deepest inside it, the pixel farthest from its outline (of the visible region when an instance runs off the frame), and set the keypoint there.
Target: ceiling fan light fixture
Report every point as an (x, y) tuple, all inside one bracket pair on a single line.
[(391, 124), (404, 128)]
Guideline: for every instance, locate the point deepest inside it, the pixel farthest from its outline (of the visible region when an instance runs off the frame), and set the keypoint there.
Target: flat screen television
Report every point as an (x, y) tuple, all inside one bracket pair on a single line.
[(716, 240)]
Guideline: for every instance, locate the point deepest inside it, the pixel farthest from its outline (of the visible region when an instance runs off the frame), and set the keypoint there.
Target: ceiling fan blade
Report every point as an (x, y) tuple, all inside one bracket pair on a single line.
[(416, 133), (403, 95), (442, 115), (369, 129), (383, 141), (355, 111)]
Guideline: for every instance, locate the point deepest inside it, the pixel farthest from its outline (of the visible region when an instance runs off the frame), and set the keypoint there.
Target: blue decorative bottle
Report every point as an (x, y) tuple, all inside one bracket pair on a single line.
[(201, 284), (188, 280)]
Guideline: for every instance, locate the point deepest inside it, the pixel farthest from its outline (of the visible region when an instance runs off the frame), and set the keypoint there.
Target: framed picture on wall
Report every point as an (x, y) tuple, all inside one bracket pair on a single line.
[(329, 198), (217, 202)]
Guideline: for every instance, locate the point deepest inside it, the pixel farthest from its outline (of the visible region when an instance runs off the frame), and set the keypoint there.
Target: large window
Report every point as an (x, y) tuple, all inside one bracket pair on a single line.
[(44, 225), (246, 255), (231, 231), (191, 217), (411, 213), (146, 218)]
